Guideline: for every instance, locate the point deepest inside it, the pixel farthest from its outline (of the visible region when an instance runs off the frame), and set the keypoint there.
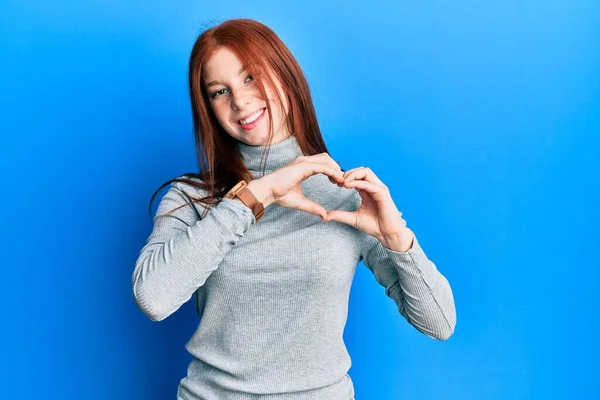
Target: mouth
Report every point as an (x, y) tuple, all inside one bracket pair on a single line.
[(253, 120)]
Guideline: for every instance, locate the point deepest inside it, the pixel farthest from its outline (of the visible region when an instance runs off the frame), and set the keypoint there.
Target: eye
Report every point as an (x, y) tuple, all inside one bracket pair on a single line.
[(217, 93)]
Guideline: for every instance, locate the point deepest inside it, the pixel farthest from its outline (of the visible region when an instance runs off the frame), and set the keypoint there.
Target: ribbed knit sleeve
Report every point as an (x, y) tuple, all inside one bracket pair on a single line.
[(422, 294), (183, 250)]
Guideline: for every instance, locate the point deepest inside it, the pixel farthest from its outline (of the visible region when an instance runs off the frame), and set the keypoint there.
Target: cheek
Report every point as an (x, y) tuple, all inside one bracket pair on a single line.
[(275, 106), (282, 109), (221, 112)]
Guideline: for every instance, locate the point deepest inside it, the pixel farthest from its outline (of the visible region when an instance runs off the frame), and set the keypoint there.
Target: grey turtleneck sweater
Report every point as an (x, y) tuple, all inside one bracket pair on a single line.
[(272, 295)]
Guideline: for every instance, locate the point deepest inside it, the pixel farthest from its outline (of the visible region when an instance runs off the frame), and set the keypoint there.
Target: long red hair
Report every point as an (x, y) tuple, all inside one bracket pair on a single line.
[(265, 56)]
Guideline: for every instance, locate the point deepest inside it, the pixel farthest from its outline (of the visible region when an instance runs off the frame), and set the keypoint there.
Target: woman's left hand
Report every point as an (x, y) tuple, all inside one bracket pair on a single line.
[(377, 215)]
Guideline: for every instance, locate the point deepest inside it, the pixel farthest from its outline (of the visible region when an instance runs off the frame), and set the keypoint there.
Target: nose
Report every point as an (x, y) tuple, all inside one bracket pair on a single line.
[(240, 99)]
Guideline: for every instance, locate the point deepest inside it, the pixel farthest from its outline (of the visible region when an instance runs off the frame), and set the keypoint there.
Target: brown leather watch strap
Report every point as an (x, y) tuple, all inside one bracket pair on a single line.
[(247, 197), (251, 201)]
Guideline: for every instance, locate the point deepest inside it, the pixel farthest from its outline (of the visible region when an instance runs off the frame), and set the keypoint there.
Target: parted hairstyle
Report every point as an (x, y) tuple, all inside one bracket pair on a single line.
[(265, 56)]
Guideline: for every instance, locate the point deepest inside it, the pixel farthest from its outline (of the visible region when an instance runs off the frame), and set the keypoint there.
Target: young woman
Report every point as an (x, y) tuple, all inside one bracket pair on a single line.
[(267, 235)]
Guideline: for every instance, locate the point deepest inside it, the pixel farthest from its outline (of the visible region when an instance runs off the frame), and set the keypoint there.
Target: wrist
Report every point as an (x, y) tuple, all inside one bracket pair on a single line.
[(261, 191), (401, 242)]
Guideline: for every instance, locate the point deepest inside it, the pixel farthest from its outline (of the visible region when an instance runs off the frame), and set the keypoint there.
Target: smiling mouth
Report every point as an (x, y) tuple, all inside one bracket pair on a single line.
[(253, 118)]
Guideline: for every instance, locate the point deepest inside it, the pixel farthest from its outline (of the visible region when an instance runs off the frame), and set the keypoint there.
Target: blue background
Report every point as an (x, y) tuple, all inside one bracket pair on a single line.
[(482, 117)]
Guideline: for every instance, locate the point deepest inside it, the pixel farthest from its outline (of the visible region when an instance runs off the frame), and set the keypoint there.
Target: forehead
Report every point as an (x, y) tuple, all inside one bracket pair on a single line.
[(222, 65)]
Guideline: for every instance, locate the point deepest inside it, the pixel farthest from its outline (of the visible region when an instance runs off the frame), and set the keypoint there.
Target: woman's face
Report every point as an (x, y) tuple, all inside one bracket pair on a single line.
[(235, 99)]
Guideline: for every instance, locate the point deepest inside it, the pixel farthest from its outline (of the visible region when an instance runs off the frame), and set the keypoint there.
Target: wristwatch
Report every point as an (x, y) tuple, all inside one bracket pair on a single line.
[(247, 197)]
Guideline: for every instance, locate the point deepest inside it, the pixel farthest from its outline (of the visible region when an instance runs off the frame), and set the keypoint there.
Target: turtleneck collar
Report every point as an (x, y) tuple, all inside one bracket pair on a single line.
[(279, 154)]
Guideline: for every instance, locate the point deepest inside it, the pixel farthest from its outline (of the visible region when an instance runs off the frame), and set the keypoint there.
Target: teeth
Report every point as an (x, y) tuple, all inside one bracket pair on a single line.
[(252, 118)]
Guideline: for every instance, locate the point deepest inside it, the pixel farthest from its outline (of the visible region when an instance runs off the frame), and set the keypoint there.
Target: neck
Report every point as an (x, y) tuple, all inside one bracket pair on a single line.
[(279, 154)]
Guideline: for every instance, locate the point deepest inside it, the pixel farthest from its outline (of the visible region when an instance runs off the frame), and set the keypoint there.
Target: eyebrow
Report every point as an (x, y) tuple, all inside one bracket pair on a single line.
[(213, 83)]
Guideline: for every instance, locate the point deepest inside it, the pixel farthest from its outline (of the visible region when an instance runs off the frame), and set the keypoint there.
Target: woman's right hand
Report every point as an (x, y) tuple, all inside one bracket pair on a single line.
[(283, 186)]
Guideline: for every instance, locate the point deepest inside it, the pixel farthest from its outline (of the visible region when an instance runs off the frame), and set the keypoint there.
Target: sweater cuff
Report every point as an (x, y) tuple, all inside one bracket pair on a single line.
[(413, 261), (247, 212)]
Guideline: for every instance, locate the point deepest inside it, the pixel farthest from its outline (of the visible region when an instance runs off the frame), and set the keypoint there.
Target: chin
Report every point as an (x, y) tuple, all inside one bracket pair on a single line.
[(251, 140), (255, 138)]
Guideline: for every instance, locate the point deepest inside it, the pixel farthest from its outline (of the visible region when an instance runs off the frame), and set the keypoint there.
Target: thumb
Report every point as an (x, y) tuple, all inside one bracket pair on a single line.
[(310, 206), (347, 217)]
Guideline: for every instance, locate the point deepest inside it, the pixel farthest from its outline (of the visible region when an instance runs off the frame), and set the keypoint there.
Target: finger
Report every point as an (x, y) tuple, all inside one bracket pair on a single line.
[(311, 207), (347, 217), (363, 173), (350, 170), (325, 158), (312, 168), (378, 193), (347, 172), (335, 181)]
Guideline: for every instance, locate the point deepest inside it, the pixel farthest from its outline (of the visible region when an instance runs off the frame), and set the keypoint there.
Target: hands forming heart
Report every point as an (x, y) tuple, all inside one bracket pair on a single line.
[(377, 215)]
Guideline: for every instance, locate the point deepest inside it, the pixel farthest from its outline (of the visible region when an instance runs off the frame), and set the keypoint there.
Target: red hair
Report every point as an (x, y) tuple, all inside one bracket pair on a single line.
[(266, 58)]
